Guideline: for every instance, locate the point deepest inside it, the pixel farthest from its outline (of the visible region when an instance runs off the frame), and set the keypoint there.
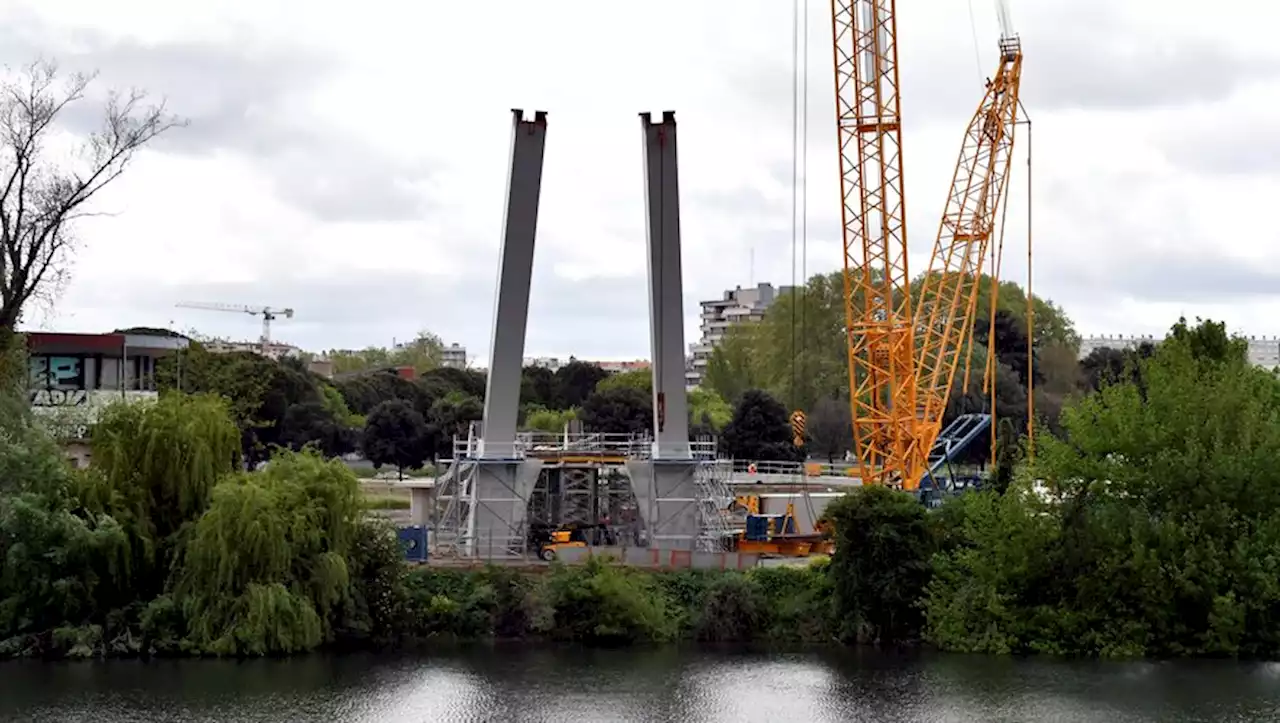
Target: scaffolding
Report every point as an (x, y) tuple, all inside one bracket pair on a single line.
[(582, 481)]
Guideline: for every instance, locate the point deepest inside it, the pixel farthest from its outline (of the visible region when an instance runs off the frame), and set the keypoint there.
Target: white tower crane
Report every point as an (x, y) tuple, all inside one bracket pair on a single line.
[(267, 313)]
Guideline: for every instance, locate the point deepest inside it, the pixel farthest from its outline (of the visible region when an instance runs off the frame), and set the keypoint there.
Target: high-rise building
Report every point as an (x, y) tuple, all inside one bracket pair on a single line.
[(455, 356), (737, 306)]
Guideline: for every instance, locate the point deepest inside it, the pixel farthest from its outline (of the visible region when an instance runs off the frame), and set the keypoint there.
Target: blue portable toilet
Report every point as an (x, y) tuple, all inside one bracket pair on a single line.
[(414, 541)]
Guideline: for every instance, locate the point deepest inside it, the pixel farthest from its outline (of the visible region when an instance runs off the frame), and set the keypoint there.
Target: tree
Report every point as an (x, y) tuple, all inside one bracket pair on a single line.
[(576, 381), (397, 435), (1208, 341), (364, 392), (830, 429), (538, 388), (451, 417), (41, 196), (422, 354), (639, 379), (731, 370), (440, 383), (314, 424), (706, 408), (1106, 365), (1009, 344), (551, 421), (622, 410), (760, 430), (881, 563)]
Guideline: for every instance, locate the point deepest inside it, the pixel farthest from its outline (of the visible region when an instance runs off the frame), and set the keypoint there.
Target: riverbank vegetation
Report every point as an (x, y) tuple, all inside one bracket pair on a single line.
[(1147, 526)]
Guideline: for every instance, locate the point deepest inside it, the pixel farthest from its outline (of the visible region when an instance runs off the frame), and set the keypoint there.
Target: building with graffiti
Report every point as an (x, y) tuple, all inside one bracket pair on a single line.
[(74, 376)]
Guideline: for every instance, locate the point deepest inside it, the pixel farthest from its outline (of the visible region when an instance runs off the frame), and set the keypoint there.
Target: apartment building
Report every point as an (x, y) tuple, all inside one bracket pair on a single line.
[(1264, 351), (718, 315), (454, 356)]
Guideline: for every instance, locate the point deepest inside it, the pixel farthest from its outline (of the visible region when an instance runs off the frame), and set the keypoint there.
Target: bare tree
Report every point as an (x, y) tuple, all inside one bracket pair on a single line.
[(41, 195)]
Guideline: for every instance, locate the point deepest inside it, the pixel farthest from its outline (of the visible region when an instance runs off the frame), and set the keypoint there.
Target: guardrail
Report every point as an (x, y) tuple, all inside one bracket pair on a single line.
[(794, 469), (541, 443)]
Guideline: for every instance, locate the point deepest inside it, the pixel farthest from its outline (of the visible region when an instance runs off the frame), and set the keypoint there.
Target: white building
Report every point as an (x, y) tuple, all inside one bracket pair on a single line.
[(737, 306), (455, 356), (273, 350), (1264, 351)]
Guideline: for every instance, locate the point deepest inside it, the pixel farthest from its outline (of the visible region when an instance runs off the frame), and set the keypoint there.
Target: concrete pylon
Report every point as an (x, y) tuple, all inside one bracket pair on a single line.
[(666, 485)]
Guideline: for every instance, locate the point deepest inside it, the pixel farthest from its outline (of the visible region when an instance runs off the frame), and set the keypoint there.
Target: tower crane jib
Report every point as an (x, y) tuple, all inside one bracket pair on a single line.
[(267, 313)]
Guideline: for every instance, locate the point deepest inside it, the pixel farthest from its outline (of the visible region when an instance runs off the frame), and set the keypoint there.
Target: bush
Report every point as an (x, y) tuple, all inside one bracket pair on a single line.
[(604, 603), (882, 563)]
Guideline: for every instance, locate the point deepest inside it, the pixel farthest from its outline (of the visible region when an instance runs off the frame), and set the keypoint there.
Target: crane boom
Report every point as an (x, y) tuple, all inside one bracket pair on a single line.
[(949, 293), (873, 215)]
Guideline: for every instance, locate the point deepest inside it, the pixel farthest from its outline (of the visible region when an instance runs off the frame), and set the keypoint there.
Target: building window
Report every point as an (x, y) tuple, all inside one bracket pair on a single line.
[(57, 372)]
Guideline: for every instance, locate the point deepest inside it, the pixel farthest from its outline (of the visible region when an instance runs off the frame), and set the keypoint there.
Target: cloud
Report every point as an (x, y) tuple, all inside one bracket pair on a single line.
[(239, 96), (354, 168)]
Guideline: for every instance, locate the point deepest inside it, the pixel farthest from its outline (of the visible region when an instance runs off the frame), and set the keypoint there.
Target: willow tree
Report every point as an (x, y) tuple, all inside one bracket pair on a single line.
[(266, 566), (154, 469)]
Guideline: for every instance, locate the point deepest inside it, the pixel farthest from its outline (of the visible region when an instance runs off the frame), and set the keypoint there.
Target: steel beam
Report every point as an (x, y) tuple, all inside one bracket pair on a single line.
[(666, 299), (511, 310)]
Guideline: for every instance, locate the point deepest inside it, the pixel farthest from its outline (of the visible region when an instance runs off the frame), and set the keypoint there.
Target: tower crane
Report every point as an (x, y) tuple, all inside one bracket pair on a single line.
[(903, 355), (267, 313)]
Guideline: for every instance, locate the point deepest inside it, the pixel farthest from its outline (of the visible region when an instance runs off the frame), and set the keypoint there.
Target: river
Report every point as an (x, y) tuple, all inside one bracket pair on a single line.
[(569, 685)]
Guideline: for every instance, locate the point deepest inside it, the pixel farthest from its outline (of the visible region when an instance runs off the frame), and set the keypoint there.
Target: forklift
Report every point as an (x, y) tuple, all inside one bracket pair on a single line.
[(545, 539)]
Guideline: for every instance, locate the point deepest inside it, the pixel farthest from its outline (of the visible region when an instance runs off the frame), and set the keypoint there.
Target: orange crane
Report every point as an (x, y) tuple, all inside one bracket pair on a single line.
[(903, 355)]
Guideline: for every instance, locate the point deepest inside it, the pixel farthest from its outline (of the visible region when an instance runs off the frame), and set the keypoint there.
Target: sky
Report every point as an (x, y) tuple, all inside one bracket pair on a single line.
[(350, 161)]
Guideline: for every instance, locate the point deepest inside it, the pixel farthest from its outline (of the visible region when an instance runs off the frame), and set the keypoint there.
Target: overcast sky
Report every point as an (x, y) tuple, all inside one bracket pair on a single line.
[(350, 160)]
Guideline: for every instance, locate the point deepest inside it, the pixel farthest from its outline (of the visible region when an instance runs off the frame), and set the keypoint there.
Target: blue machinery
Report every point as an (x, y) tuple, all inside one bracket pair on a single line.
[(951, 442)]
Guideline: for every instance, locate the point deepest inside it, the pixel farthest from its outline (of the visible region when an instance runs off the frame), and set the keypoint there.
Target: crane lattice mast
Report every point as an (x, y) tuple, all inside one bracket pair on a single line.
[(876, 278), (948, 297), (898, 383)]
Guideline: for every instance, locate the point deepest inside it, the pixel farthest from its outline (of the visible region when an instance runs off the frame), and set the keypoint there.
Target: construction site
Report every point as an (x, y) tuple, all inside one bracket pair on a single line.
[(664, 499)]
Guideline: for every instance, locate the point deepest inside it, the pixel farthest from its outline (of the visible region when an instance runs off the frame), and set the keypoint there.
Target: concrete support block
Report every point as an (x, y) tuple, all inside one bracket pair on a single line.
[(502, 490), (666, 498)]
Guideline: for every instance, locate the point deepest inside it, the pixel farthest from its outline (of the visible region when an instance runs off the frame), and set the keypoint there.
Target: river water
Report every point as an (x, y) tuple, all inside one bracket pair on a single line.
[(568, 685)]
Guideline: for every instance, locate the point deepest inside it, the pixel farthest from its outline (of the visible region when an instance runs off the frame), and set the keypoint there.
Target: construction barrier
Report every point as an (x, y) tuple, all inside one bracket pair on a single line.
[(663, 559)]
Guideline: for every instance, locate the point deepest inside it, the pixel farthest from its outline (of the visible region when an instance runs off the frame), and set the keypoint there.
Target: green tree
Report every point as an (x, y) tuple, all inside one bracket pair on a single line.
[(538, 388), (266, 569), (709, 409), (760, 430), (314, 424), (397, 435), (639, 379), (732, 371), (576, 381), (440, 383), (551, 421), (451, 417), (881, 564), (364, 392), (830, 429), (622, 410), (154, 469)]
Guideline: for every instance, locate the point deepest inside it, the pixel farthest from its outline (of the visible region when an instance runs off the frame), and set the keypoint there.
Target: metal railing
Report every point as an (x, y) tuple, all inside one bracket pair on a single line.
[(533, 444), (742, 467)]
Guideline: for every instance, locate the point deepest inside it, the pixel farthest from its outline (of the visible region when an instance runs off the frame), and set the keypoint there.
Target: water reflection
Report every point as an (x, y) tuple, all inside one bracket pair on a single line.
[(496, 684)]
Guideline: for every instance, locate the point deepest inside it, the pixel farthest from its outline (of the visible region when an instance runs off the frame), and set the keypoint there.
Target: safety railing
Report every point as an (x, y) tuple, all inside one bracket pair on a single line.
[(534, 444), (742, 467)]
